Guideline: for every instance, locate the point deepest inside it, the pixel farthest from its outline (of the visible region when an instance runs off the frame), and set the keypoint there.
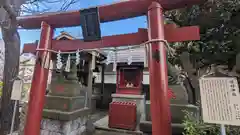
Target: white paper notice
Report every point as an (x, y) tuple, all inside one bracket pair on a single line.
[(220, 100)]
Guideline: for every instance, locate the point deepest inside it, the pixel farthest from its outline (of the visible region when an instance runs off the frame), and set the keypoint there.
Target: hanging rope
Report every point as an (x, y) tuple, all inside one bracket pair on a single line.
[(170, 50)]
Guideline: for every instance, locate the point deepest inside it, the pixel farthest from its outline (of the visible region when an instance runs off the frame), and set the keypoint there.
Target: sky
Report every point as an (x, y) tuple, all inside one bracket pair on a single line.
[(110, 28)]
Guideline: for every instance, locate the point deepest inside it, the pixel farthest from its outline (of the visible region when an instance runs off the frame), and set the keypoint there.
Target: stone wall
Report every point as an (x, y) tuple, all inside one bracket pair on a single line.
[(56, 127)]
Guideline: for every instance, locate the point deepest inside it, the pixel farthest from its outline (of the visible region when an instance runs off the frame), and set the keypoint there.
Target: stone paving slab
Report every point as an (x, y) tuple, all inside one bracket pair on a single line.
[(102, 124), (102, 132), (13, 134)]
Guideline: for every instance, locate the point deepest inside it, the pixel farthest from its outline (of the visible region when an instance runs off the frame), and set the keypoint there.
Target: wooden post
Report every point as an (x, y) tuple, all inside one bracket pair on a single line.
[(89, 92), (102, 82)]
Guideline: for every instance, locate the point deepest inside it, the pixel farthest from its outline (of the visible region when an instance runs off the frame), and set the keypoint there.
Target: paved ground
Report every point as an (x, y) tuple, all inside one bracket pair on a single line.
[(98, 115), (101, 132)]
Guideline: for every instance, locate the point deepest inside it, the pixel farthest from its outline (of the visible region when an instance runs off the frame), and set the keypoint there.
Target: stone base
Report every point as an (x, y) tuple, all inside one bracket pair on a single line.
[(56, 127), (62, 103), (68, 88), (95, 99), (146, 127), (65, 116), (138, 99), (177, 111)]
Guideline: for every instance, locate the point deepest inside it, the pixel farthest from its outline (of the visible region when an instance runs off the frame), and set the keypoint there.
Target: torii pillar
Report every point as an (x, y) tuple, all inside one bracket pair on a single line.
[(161, 120), (39, 82)]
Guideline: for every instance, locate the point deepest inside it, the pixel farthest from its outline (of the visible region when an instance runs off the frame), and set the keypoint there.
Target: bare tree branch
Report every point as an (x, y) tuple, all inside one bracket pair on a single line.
[(40, 6), (10, 9)]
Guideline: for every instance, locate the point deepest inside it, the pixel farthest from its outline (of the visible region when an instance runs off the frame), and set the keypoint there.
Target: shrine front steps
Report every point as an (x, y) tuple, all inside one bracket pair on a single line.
[(177, 111), (177, 117), (146, 128)]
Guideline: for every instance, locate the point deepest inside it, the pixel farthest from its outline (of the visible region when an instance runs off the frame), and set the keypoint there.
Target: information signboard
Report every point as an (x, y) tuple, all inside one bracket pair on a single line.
[(17, 90), (220, 99)]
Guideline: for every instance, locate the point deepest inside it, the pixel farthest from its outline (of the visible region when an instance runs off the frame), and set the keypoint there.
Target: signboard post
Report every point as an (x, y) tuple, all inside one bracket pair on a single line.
[(16, 96), (223, 130), (220, 101)]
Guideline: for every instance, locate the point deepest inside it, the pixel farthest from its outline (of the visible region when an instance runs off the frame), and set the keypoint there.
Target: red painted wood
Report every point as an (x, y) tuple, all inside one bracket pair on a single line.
[(121, 85), (129, 91), (123, 115), (161, 120), (172, 34), (171, 94), (111, 12), (39, 85)]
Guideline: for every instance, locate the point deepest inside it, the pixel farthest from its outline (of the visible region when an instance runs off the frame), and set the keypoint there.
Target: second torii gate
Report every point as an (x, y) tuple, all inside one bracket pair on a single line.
[(160, 108)]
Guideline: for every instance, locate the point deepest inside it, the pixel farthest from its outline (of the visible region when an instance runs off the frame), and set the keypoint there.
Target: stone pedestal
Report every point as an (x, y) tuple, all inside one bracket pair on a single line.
[(56, 127), (95, 99), (138, 99), (66, 100), (65, 110)]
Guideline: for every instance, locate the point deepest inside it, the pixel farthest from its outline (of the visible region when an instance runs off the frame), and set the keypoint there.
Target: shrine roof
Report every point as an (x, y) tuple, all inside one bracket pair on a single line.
[(111, 12), (64, 35)]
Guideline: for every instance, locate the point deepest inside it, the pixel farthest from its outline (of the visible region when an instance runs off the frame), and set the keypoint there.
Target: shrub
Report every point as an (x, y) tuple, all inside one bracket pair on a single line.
[(192, 126), (1, 86)]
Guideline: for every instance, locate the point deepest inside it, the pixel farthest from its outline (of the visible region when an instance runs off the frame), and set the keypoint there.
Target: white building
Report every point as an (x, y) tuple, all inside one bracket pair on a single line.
[(137, 54)]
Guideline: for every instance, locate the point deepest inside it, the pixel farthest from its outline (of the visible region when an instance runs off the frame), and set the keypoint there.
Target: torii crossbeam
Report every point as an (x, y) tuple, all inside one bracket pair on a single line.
[(160, 106)]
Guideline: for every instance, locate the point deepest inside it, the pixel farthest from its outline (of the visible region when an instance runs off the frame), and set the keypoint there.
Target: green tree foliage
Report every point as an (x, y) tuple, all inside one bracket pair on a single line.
[(219, 28), (1, 86)]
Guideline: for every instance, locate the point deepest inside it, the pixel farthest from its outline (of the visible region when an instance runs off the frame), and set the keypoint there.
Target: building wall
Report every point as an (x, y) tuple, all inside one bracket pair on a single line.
[(110, 86), (110, 78), (179, 90)]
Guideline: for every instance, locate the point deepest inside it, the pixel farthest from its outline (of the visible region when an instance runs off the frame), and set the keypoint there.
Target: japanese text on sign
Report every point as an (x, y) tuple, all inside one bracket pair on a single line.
[(220, 100)]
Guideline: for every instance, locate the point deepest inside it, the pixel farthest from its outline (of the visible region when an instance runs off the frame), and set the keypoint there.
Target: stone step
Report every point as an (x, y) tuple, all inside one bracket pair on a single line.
[(65, 116), (177, 111), (146, 127), (67, 104)]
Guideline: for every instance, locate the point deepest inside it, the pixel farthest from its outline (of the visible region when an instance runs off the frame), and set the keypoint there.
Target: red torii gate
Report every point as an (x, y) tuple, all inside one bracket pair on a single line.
[(160, 108)]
